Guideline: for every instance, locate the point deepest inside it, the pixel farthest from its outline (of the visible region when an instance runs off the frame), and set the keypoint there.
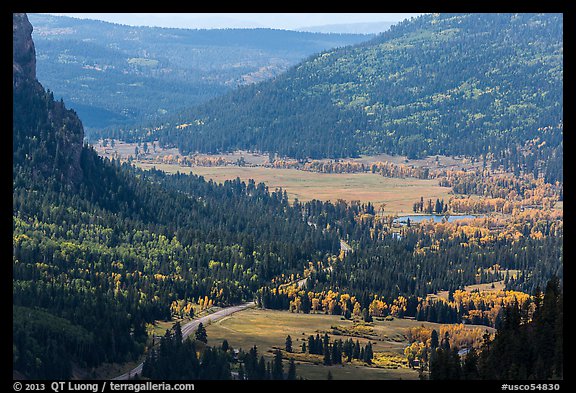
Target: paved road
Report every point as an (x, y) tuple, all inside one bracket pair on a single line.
[(191, 327)]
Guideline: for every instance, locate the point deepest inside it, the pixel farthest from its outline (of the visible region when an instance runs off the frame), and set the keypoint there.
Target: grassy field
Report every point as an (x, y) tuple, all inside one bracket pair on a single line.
[(398, 194), (428, 162), (124, 149), (267, 329)]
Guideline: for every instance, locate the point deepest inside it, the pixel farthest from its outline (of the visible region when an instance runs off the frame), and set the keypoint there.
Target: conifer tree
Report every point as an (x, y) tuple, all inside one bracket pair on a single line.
[(277, 367), (434, 339), (241, 374), (327, 361), (288, 344), (291, 370), (201, 333)]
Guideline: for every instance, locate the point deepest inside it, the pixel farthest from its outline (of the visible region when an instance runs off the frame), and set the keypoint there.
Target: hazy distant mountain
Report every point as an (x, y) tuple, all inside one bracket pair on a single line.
[(350, 28), (117, 74)]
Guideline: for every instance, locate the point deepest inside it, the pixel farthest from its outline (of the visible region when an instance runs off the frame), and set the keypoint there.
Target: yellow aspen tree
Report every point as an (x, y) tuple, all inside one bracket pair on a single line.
[(315, 304)]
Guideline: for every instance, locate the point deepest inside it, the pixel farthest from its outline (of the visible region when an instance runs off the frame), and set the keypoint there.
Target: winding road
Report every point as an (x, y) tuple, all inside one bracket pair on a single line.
[(190, 328)]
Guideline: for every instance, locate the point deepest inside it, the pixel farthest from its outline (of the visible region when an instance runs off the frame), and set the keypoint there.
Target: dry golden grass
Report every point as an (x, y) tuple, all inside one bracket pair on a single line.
[(267, 329), (399, 195)]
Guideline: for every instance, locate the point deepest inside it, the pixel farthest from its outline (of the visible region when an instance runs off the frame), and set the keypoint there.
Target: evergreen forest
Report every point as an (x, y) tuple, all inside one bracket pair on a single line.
[(414, 90), (102, 248), (117, 75)]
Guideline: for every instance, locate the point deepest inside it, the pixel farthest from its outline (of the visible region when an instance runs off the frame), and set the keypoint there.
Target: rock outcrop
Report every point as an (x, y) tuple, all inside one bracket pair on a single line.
[(24, 53), (47, 137)]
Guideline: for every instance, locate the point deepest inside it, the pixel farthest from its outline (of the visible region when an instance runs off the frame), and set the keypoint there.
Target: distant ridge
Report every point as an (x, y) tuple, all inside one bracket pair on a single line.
[(115, 75), (350, 28)]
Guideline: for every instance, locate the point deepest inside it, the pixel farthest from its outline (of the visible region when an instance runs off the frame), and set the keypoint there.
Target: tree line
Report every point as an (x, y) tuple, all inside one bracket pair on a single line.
[(499, 96), (525, 347)]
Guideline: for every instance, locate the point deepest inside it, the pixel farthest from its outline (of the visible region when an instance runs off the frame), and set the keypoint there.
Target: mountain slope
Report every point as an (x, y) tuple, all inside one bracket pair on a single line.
[(101, 249), (116, 74), (354, 28), (47, 137), (437, 84)]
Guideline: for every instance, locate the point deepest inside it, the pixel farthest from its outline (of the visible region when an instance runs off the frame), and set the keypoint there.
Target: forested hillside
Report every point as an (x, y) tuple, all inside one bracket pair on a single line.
[(114, 74), (438, 84), (100, 249)]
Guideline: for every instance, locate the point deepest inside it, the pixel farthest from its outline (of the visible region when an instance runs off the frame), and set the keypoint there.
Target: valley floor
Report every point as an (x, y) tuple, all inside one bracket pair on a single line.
[(267, 329), (397, 194)]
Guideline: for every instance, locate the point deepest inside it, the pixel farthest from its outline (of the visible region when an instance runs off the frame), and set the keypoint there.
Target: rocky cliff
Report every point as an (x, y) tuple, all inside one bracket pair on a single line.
[(23, 54), (48, 138)]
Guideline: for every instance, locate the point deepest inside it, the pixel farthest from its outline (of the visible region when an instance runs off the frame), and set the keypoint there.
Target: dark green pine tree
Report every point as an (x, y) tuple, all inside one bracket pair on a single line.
[(558, 359), (434, 343), (190, 362), (486, 369), (277, 367), (336, 355), (288, 344), (356, 350), (366, 315), (446, 341), (177, 333), (434, 367), (438, 207), (201, 334), (548, 332), (327, 361), (523, 349), (291, 370), (241, 373), (311, 344), (454, 364), (149, 364), (261, 373), (368, 353), (470, 365), (347, 314), (251, 363), (268, 375), (445, 364)]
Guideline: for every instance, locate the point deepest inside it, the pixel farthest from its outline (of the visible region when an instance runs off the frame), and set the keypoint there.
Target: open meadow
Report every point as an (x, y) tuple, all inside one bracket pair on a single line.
[(268, 329), (399, 195)]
